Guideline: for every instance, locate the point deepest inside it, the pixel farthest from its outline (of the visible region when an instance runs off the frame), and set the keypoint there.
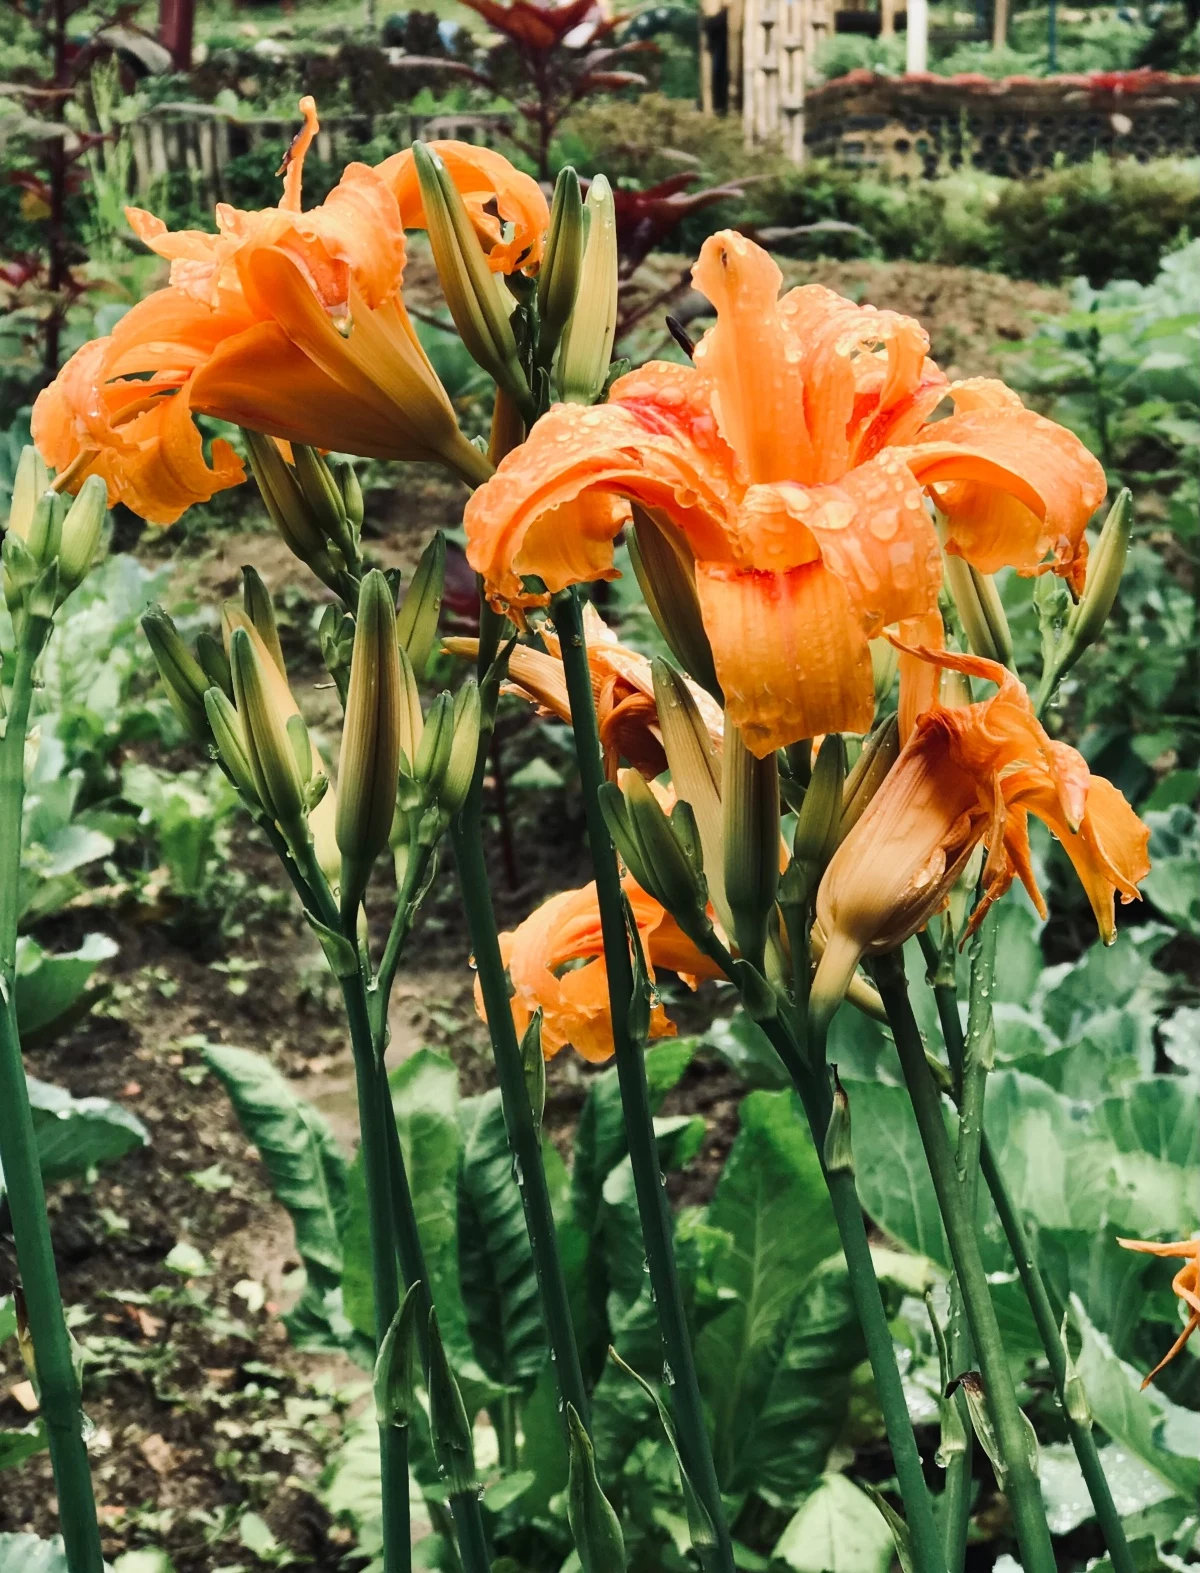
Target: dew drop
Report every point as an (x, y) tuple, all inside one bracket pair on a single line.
[(667, 1374)]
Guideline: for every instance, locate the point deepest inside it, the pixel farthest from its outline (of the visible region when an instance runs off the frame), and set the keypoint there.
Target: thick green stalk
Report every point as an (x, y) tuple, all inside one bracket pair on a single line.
[(1020, 1482), (59, 1387), (524, 1139), (468, 1525), (653, 1206), (1082, 1439)]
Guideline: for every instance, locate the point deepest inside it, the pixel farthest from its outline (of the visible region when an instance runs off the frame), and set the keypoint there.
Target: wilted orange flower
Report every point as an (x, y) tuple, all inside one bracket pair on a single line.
[(967, 774), (1186, 1284), (622, 684), (508, 208), (793, 457), (541, 956), (285, 321)]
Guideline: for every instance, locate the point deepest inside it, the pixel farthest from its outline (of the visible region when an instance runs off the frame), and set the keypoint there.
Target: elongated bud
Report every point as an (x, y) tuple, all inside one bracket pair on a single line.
[(595, 1528), (398, 1364), (324, 499), (412, 722), (620, 827), (838, 1153), (335, 635), (322, 827), (673, 878), (233, 617), (666, 573), (369, 765), (230, 738), (472, 291), (980, 610), (464, 749), (879, 753), (20, 570), (437, 739), (81, 531), (350, 487), (260, 609), (182, 676), (417, 619), (278, 783), (30, 485), (558, 276), (695, 774), (533, 1062), (818, 824), (448, 1423), (211, 655), (588, 337), (1105, 567), (285, 503), (750, 805)]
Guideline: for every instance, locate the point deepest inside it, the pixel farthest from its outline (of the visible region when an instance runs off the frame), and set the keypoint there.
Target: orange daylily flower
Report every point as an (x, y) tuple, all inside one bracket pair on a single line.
[(794, 458), (285, 321), (574, 999), (622, 684), (971, 773), (1186, 1284), (507, 208)]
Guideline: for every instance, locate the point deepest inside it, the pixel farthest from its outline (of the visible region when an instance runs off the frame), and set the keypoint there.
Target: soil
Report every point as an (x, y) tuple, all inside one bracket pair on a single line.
[(201, 1408)]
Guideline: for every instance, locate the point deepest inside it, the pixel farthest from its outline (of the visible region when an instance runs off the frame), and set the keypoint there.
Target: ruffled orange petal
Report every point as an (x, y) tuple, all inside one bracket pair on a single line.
[(1108, 851), (1013, 485), (790, 652), (507, 208)]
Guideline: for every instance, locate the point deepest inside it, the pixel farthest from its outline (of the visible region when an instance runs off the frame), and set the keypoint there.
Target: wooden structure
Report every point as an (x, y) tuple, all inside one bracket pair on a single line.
[(757, 59)]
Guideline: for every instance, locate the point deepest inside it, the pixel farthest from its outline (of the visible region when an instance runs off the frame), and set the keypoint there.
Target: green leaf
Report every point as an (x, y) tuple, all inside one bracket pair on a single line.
[(890, 1169), (19, 1444), (50, 988), (306, 1167), (1134, 1485), (771, 1178), (30, 1554), (496, 1269), (1146, 1424), (1173, 883), (77, 1135), (148, 1560), (187, 1261), (8, 1317), (838, 1530)]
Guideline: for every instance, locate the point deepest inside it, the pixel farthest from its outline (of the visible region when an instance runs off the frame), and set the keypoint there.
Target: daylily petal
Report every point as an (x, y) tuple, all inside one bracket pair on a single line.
[(790, 653)]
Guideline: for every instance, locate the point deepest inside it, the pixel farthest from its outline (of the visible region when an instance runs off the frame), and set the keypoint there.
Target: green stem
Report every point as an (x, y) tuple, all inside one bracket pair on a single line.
[(1082, 1439), (653, 1206), (468, 1525), (57, 1383), (1020, 1482)]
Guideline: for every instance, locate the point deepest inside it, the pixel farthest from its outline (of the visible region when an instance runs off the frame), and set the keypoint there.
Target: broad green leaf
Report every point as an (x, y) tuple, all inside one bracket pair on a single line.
[(890, 1170), (1145, 1423), (1173, 883), (50, 988), (1134, 1485), (838, 1530), (306, 1167), (77, 1135), (804, 1409), (30, 1554), (772, 1202), (495, 1263), (1017, 941), (21, 1443)]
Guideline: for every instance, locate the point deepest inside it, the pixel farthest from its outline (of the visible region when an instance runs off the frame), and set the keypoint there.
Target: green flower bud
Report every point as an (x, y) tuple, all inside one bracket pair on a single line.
[(558, 277), (1105, 567), (437, 740), (228, 735), (369, 766), (20, 570), (695, 774), (323, 497), (286, 505), (398, 1364), (278, 783), (211, 655), (980, 610), (30, 485), (472, 291), (81, 531), (595, 1528), (750, 807), (818, 824), (412, 722), (464, 749), (588, 337), (350, 487), (417, 619), (184, 680), (673, 878), (879, 753), (260, 609), (45, 528), (453, 1444), (533, 1062), (666, 573)]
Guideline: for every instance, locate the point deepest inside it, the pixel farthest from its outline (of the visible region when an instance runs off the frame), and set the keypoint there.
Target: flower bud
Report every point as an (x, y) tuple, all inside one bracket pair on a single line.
[(335, 635), (750, 830), (666, 872), (464, 749), (81, 531), (533, 1063), (183, 679), (30, 485), (448, 1424), (588, 337), (666, 573), (417, 619), (1105, 567), (233, 617), (695, 775), (595, 1528), (472, 291), (350, 487), (369, 766), (818, 824), (323, 498), (43, 598), (980, 610), (838, 1156), (260, 609), (437, 740), (285, 503), (278, 783), (230, 738), (398, 1365), (412, 722), (20, 570), (879, 753), (211, 655), (558, 276)]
